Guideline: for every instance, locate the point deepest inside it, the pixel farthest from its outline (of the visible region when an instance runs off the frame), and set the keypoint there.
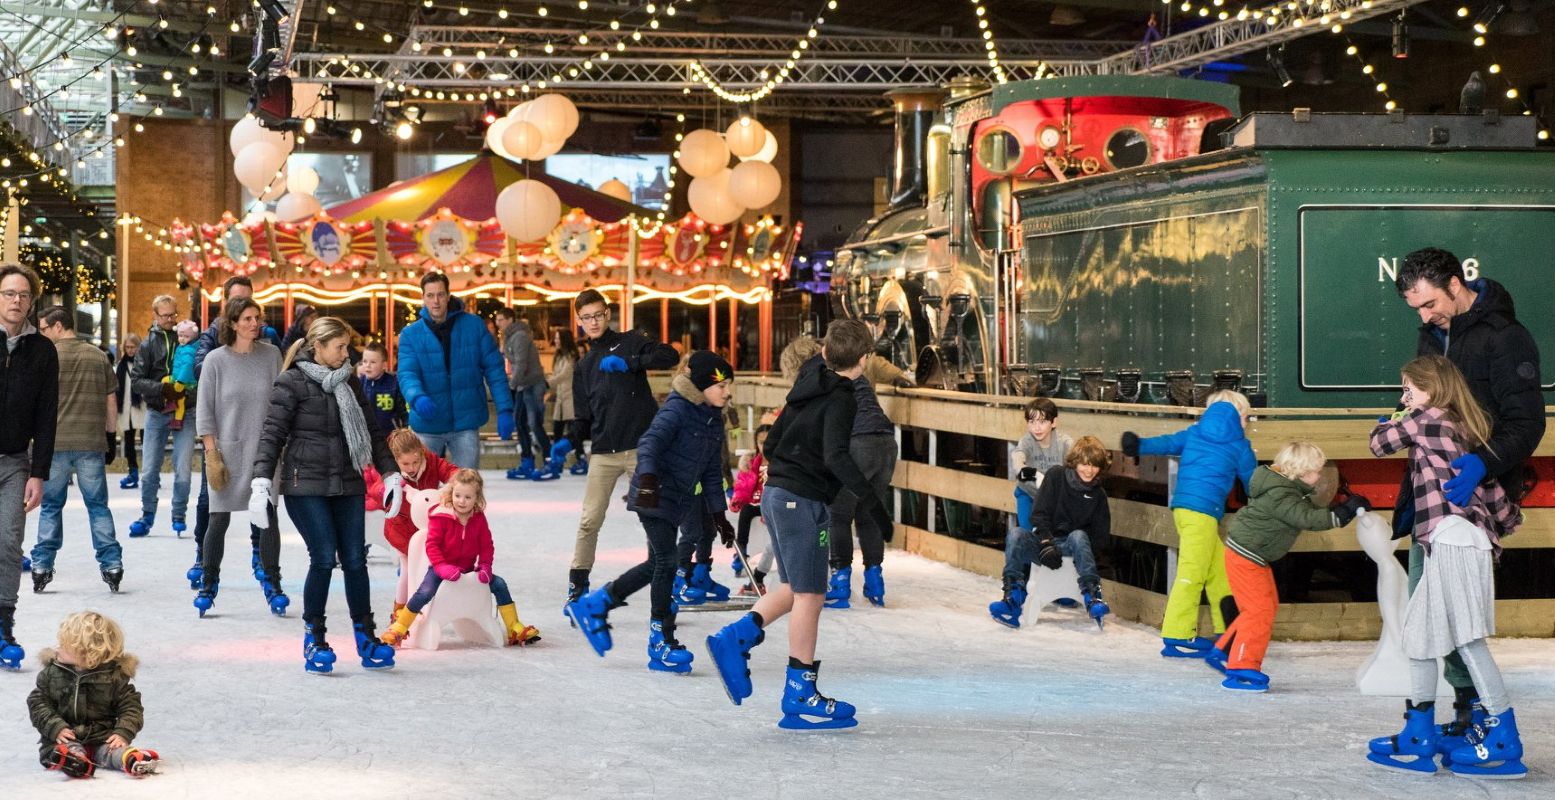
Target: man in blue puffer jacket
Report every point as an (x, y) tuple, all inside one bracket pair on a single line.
[(447, 360), (1215, 453)]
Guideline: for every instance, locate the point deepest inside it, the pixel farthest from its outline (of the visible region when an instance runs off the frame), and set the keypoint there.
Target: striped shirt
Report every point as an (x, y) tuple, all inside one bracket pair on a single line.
[(86, 380)]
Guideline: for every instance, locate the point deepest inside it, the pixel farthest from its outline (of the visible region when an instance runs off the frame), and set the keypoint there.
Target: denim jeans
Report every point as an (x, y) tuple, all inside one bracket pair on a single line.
[(334, 528), (1021, 548), (154, 450), (429, 584), (657, 572), (88, 467), (529, 411), (461, 448)]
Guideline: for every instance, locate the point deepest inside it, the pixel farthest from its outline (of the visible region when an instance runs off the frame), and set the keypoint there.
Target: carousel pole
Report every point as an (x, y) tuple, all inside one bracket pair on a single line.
[(764, 321), (712, 324), (288, 305), (664, 319), (388, 324), (734, 327), (631, 275)]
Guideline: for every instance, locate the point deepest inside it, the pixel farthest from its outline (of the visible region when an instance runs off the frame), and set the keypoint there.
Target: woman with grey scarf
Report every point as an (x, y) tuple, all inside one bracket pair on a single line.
[(318, 436)]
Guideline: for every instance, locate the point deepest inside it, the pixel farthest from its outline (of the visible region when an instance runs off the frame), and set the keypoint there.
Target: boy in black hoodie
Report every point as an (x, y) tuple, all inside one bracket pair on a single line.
[(808, 463)]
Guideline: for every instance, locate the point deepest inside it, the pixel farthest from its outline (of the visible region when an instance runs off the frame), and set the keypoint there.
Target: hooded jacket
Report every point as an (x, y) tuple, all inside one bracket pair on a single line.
[(29, 398), (452, 362), (302, 433), (1215, 453), (94, 703), (1278, 510), (466, 545), (1065, 504), (1500, 360), (614, 409), (398, 529), (807, 448), (684, 448)]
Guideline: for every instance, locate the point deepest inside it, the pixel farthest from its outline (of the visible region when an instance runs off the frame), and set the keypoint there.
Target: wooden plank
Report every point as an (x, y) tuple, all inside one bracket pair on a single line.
[(967, 487)]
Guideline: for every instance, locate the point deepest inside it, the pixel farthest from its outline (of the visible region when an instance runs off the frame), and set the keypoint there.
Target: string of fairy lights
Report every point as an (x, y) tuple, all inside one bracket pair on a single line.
[(771, 77)]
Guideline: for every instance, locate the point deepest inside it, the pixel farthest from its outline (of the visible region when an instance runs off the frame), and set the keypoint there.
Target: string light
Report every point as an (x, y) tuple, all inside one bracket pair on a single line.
[(771, 81), (989, 46)]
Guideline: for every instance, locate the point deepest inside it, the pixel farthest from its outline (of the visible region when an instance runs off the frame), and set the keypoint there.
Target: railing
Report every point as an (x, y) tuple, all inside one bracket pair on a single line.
[(1342, 433)]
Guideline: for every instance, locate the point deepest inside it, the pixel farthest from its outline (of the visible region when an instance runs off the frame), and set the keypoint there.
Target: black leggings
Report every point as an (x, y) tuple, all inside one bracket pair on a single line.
[(696, 543), (131, 451), (657, 573), (268, 541), (742, 533)]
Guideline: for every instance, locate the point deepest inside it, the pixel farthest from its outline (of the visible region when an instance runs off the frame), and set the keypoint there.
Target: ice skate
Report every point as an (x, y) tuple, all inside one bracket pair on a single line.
[(1007, 611), (579, 467), (1499, 754), (730, 650), (113, 576), (179, 526), (737, 565), (275, 596), (1469, 720), (1197, 647), (139, 762), (70, 758), (840, 588), (141, 528), (1094, 604), (524, 471), (517, 633), (1216, 659), (550, 471), (874, 586), (1413, 748), (317, 657), (195, 573), (684, 591), (805, 708), (712, 591), (41, 578), (375, 654), (588, 613), (577, 586), (665, 654), (207, 596), (395, 634), (130, 481), (1245, 680), (11, 653)]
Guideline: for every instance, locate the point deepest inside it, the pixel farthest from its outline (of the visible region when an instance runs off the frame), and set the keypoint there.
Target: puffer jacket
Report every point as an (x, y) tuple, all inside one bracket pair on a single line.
[(466, 545), (1278, 510), (153, 363), (1215, 453), (94, 703), (302, 432), (456, 377), (684, 448)]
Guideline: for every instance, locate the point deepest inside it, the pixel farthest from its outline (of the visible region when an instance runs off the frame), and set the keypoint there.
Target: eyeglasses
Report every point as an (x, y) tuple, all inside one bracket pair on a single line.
[(13, 296), (168, 315), (598, 317)]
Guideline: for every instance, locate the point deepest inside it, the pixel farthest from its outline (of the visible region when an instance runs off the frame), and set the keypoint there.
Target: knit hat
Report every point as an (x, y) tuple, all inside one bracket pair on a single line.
[(708, 368)]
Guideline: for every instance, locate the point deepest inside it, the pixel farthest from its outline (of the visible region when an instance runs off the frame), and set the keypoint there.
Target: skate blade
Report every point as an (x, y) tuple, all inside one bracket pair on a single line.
[(676, 669), (1012, 625), (733, 604), (795, 722), (1509, 770), (723, 679), (1173, 651), (1422, 764)]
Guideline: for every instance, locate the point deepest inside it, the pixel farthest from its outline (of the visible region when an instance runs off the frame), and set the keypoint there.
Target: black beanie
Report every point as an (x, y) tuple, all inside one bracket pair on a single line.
[(708, 368)]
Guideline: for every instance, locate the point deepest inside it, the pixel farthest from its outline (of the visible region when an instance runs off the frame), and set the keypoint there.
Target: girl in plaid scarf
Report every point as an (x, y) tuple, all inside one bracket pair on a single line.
[(1453, 606)]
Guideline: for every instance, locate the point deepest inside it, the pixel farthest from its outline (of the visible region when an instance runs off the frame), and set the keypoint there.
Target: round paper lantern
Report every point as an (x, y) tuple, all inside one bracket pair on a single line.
[(754, 184), (277, 186), (523, 139), (746, 137), (256, 165), (616, 189), (703, 153), (550, 148), (553, 114), (494, 137), (247, 131), (528, 210), (297, 205), (710, 199), (303, 181), (518, 111), (768, 150)]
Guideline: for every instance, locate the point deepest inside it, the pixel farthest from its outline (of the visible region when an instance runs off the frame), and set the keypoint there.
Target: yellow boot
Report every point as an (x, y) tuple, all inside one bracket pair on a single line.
[(400, 628), (518, 632)]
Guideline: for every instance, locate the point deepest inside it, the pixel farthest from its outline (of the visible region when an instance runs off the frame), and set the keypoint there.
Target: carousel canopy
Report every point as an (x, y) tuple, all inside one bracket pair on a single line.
[(470, 191)]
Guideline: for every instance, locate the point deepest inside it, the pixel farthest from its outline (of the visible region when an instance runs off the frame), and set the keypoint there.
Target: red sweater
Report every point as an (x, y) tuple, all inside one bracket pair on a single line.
[(466, 545), (399, 529)]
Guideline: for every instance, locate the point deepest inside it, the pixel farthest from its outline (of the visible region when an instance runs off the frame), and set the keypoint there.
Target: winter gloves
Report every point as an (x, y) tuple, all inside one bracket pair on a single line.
[(505, 425), (113, 447), (393, 492), (1131, 444), (447, 572), (1048, 554), (259, 503), (483, 573), (424, 407), (648, 490), (216, 470), (1346, 511), (1026, 474), (612, 364), (1460, 488), (721, 525)]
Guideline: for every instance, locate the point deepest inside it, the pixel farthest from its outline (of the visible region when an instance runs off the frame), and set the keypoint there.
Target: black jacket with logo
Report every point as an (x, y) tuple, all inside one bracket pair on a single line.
[(807, 448), (614, 409)]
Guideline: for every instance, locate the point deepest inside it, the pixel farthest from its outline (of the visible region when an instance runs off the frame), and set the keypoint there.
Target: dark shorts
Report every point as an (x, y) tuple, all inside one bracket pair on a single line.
[(800, 532)]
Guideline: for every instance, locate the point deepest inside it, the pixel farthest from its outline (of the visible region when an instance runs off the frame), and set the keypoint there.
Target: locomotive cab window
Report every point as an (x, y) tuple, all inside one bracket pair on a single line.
[(998, 151), (1127, 147)]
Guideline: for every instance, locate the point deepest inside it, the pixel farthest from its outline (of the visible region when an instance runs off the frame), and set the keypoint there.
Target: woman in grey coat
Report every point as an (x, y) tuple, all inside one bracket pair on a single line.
[(233, 402)]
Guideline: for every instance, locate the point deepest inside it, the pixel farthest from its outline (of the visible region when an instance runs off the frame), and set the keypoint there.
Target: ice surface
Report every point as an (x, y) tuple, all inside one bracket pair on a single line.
[(950, 704)]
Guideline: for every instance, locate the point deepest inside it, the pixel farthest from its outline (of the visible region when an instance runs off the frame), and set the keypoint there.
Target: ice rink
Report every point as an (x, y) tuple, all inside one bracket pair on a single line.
[(950, 704)]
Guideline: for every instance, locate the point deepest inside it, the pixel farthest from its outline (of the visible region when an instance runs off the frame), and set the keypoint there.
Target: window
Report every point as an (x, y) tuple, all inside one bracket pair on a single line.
[(646, 175), (1127, 147), (998, 151)]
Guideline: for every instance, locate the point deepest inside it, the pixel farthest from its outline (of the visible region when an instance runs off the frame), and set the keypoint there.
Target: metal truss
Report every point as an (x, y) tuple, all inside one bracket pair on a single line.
[(39, 125)]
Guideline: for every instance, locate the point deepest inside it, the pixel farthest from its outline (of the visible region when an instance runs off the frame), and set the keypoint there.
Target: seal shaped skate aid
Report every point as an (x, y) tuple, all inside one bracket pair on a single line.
[(393, 493), (259, 503)]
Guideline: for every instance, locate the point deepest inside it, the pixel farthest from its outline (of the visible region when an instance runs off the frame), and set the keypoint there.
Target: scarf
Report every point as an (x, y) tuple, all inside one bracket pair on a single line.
[(338, 383)]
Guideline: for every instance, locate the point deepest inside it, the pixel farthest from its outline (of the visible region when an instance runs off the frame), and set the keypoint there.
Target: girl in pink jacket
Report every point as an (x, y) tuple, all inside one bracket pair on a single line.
[(459, 543)]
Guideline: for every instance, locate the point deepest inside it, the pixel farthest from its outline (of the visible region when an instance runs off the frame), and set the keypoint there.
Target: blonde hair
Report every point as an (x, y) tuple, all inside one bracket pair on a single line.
[(796, 354), (404, 441), (1235, 398), (1090, 451), (163, 300), (1440, 378), (1299, 458), (95, 639), (323, 329), (468, 477)]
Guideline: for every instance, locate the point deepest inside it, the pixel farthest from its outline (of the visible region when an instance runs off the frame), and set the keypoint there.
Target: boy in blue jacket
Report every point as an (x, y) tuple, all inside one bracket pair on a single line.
[(681, 453), (1215, 452), (381, 388)]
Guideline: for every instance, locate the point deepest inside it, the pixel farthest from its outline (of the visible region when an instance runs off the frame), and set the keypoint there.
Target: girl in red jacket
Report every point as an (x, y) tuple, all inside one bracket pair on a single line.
[(420, 469), (459, 543)]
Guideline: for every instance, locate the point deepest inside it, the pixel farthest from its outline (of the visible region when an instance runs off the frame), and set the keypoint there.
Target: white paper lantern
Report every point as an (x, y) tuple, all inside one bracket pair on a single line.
[(255, 217), (523, 139), (518, 111), (303, 181), (277, 186), (710, 199), (256, 164), (754, 184), (768, 150), (553, 114), (297, 205), (703, 153), (494, 137), (617, 189), (247, 131), (528, 210), (550, 148), (745, 137)]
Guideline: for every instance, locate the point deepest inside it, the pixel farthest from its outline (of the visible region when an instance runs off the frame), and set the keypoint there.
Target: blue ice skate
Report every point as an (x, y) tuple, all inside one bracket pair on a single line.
[(207, 596), (1456, 734), (1245, 680), (685, 592), (551, 471), (1216, 659), (1095, 605), (375, 654), (195, 574), (874, 586), (1413, 748), (840, 588), (275, 596), (317, 658), (11, 653), (735, 563), (142, 527), (702, 579), (730, 650), (524, 471), (130, 481), (579, 467), (1197, 647), (179, 526), (589, 613), (664, 653), (806, 709), (1498, 755), (1007, 610)]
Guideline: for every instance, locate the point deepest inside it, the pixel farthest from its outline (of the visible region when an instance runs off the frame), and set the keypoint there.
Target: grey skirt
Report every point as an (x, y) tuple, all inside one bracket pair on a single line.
[(1455, 602)]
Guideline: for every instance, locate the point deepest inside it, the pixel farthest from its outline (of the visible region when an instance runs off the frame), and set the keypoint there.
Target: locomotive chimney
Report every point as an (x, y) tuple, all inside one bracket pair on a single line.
[(916, 109)]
